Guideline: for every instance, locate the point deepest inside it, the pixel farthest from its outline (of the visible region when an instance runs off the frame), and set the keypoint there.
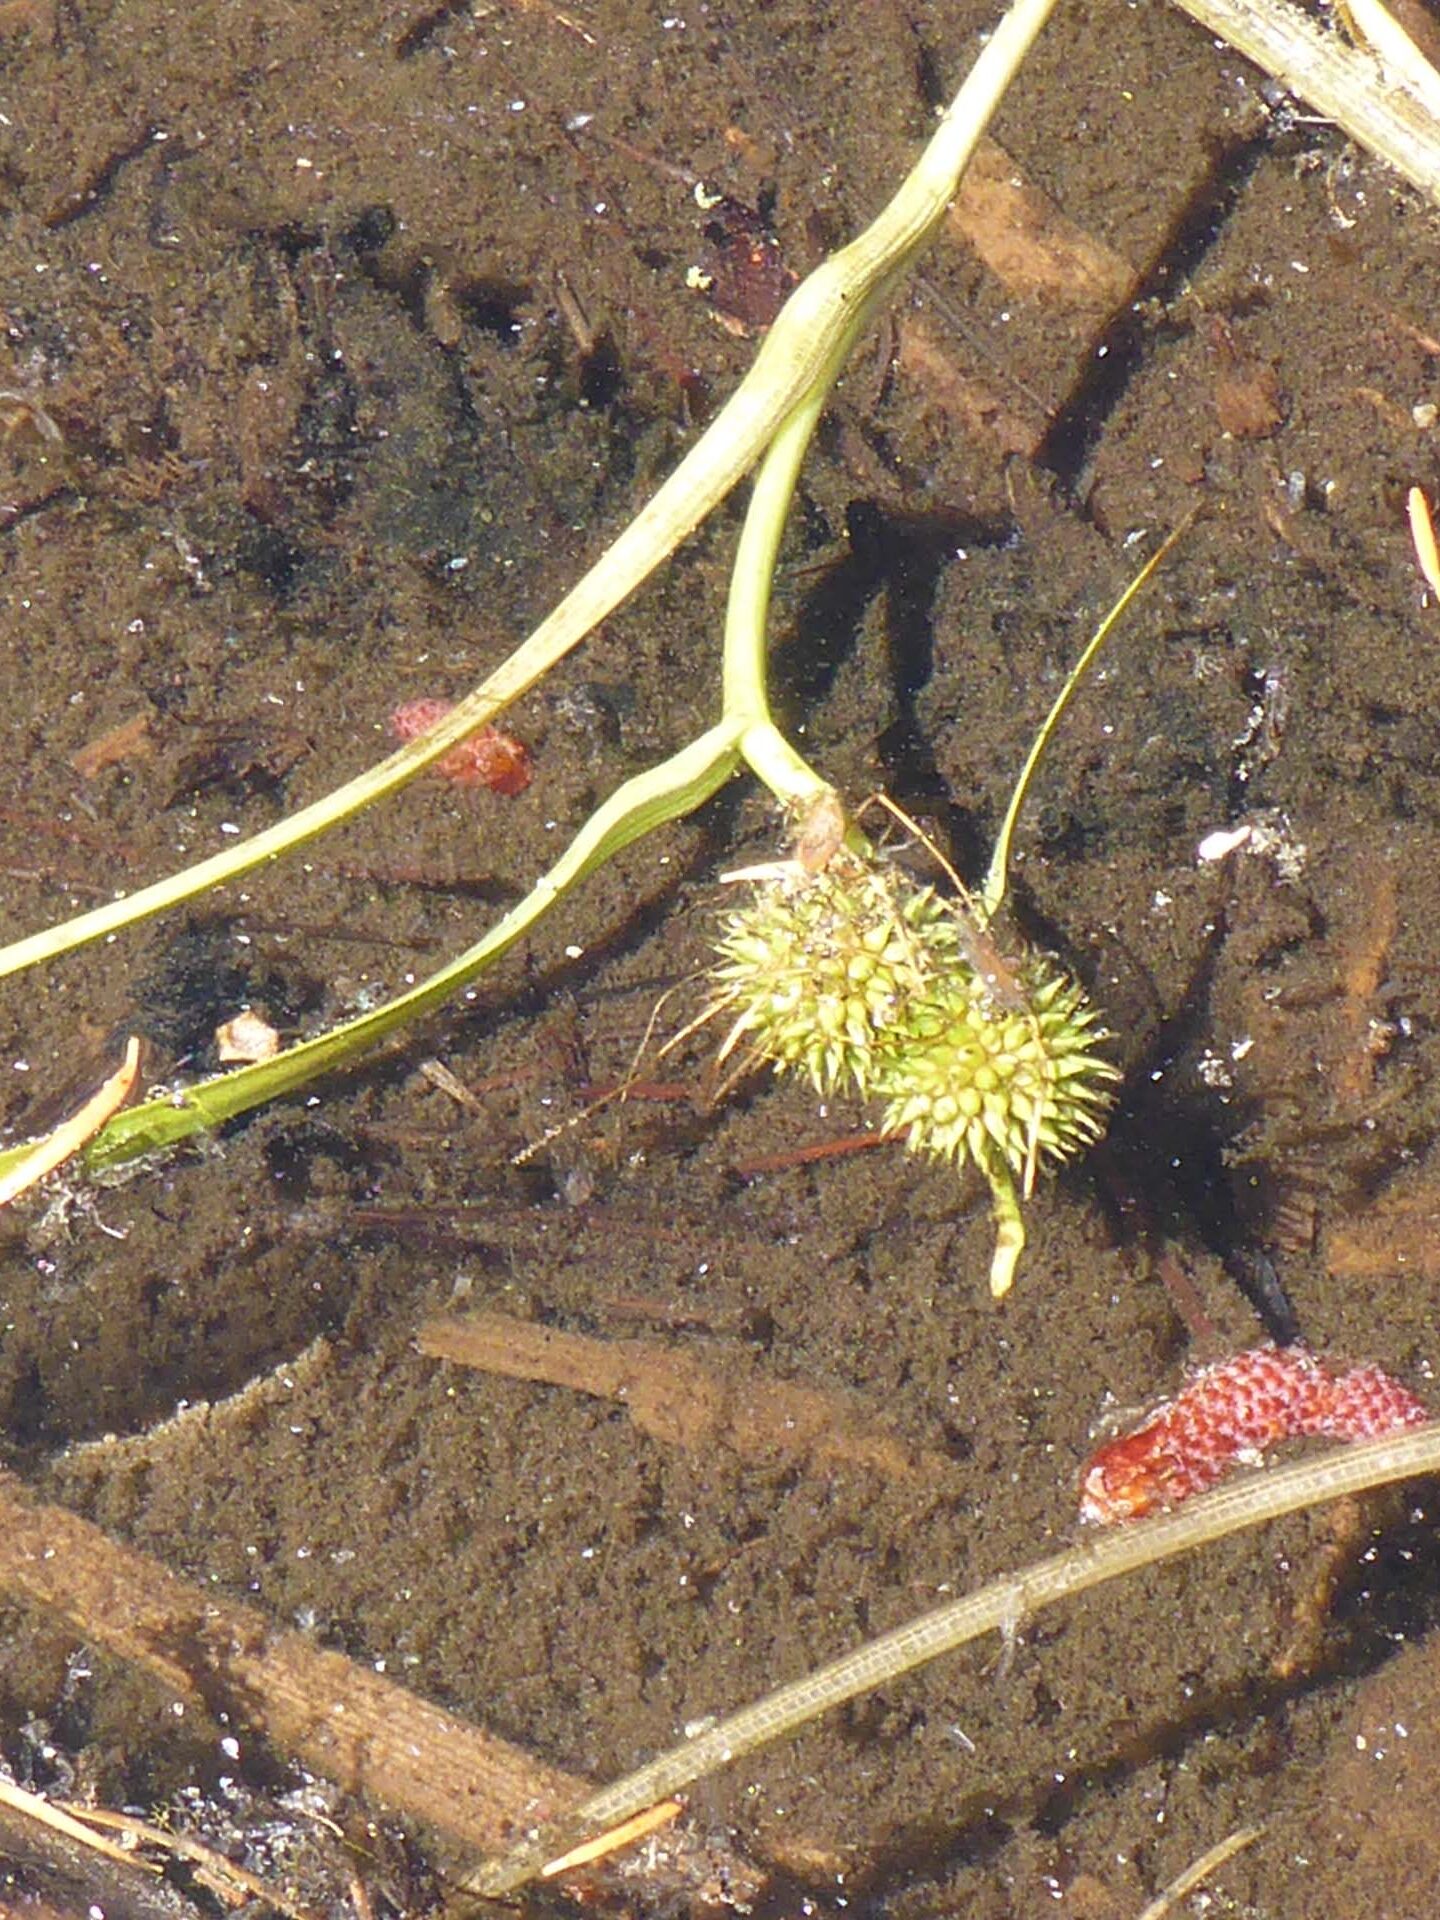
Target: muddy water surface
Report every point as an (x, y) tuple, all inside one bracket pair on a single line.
[(339, 338)]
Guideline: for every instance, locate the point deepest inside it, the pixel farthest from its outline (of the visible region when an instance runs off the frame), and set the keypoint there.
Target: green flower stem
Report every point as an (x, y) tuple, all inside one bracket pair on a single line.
[(1002, 1606), (992, 894), (664, 793), (801, 356), (767, 752), (1009, 1226)]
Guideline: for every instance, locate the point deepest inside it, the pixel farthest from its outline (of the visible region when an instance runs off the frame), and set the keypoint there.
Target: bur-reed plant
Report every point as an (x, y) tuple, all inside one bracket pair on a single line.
[(770, 418), (1048, 1094)]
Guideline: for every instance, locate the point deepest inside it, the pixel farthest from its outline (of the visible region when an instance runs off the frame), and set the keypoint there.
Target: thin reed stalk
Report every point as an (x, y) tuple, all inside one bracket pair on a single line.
[(1001, 1606)]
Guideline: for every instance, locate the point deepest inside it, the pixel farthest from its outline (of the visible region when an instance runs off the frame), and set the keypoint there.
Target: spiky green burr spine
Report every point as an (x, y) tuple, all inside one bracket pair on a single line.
[(855, 977), (1006, 1089), (968, 1079), (819, 967)]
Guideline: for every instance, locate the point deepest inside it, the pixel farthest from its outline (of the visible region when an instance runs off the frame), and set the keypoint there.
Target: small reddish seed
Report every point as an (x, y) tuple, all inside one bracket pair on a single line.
[(1229, 1414), (488, 758)]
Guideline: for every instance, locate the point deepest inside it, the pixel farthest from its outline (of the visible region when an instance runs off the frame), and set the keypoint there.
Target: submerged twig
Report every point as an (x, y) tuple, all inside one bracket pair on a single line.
[(1199, 1870), (681, 1400), (1398, 53), (35, 1807), (344, 1720), (354, 1725), (232, 1881)]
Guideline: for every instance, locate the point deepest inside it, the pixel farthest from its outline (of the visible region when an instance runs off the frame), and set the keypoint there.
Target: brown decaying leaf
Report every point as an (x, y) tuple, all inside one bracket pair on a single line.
[(1248, 400), (1030, 245), (1396, 1241), (972, 404), (1249, 403)]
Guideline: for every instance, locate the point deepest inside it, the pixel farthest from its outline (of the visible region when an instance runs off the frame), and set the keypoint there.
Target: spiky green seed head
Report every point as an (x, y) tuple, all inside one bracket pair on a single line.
[(855, 977), (969, 1080), (818, 967)]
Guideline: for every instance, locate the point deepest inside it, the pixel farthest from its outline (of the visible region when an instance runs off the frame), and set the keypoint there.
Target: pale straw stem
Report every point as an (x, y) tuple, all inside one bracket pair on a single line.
[(1345, 84), (1013, 1598)]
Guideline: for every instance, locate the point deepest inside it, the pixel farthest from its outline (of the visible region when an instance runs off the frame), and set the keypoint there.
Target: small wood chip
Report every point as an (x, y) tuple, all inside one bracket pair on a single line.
[(129, 741)]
